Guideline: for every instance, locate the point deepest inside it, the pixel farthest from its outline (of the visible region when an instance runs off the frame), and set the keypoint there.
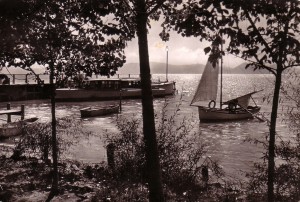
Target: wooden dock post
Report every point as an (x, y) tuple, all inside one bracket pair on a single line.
[(110, 149), (8, 115), (22, 111), (9, 112), (120, 103), (205, 175)]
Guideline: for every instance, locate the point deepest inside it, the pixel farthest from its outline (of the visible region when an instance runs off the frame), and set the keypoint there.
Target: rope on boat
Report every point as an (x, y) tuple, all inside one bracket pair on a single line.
[(260, 119)]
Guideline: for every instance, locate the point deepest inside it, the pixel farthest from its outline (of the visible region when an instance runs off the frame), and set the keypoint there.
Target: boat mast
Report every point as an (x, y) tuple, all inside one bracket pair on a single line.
[(167, 49), (221, 86)]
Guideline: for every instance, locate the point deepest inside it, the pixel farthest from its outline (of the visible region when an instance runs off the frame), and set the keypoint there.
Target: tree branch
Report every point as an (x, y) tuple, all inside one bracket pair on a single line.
[(282, 47), (263, 41), (129, 7), (159, 4), (289, 66)]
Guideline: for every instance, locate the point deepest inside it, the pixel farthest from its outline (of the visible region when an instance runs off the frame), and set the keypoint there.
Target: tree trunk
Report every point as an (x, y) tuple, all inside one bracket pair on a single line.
[(152, 156), (54, 188), (271, 157)]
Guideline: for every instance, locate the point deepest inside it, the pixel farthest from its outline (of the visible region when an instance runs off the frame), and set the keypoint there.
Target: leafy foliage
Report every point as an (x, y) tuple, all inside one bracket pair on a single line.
[(287, 178), (291, 100), (263, 32), (70, 34), (260, 31), (136, 15), (181, 152), (36, 138)]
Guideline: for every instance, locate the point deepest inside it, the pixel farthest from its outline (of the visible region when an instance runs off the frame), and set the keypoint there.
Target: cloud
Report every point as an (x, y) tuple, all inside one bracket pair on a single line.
[(181, 50)]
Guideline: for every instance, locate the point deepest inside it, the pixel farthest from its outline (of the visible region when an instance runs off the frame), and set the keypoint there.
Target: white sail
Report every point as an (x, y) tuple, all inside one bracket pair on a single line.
[(208, 85), (243, 100)]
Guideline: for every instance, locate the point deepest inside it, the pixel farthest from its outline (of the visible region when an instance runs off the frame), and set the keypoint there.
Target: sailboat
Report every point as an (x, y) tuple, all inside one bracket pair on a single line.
[(234, 109)]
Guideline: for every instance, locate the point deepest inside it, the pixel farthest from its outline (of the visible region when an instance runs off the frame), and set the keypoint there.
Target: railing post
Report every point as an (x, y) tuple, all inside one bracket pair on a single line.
[(26, 79), (14, 78), (8, 115)]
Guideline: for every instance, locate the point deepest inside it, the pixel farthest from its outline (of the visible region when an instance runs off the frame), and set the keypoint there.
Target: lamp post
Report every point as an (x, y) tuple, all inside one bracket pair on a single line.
[(167, 49)]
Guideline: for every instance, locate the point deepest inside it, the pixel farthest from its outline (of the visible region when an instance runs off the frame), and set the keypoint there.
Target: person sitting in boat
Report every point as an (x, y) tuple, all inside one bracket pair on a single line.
[(4, 79), (232, 106)]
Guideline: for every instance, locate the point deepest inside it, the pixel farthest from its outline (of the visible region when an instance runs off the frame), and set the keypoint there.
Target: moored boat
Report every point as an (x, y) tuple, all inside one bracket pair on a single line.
[(216, 115), (112, 89), (207, 90), (15, 128), (99, 111)]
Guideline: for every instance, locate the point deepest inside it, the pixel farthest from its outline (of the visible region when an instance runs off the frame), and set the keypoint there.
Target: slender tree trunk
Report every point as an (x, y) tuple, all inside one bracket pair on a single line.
[(54, 188), (152, 157), (271, 157)]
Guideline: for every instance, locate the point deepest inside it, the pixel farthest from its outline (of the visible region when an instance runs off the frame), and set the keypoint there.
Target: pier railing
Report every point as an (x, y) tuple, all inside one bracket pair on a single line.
[(32, 79), (26, 78)]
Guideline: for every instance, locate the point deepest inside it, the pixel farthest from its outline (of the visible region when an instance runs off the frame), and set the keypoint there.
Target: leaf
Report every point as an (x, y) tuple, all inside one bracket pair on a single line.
[(207, 50)]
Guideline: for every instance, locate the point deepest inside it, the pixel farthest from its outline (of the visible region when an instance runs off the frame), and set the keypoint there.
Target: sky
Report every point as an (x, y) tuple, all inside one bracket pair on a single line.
[(181, 50)]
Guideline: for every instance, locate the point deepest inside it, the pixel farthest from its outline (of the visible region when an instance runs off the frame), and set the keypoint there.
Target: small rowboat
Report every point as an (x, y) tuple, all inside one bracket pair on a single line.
[(99, 111), (15, 128)]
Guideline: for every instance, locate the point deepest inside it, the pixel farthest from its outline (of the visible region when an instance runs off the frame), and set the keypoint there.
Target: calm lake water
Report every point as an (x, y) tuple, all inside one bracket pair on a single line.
[(226, 140)]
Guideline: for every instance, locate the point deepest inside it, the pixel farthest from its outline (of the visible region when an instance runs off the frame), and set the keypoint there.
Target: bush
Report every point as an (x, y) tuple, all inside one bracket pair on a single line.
[(287, 168), (36, 138), (182, 154)]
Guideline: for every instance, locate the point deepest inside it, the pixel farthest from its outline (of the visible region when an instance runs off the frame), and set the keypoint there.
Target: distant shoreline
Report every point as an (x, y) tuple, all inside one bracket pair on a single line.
[(160, 68)]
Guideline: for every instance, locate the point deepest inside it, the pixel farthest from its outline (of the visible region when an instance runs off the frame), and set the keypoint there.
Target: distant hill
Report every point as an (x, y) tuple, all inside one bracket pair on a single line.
[(17, 70), (13, 70), (160, 68), (240, 69), (156, 68)]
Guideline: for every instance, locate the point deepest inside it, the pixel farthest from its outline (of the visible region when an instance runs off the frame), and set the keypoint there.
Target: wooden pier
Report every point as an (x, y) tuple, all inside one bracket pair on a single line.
[(9, 112)]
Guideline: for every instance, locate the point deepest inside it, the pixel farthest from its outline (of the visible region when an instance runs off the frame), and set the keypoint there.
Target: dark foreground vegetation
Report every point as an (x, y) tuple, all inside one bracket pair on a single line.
[(26, 174), (68, 37), (29, 179), (187, 173)]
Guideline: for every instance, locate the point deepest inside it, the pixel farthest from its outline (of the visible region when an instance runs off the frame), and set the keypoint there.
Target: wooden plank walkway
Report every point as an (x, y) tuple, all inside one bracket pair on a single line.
[(11, 112)]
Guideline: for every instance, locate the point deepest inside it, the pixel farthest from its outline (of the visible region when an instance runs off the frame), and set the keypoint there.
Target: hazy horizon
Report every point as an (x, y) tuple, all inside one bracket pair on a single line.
[(181, 50)]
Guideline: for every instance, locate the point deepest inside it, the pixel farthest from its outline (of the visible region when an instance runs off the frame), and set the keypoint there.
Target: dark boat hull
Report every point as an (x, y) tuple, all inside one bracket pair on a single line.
[(101, 111), (66, 94), (220, 115)]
